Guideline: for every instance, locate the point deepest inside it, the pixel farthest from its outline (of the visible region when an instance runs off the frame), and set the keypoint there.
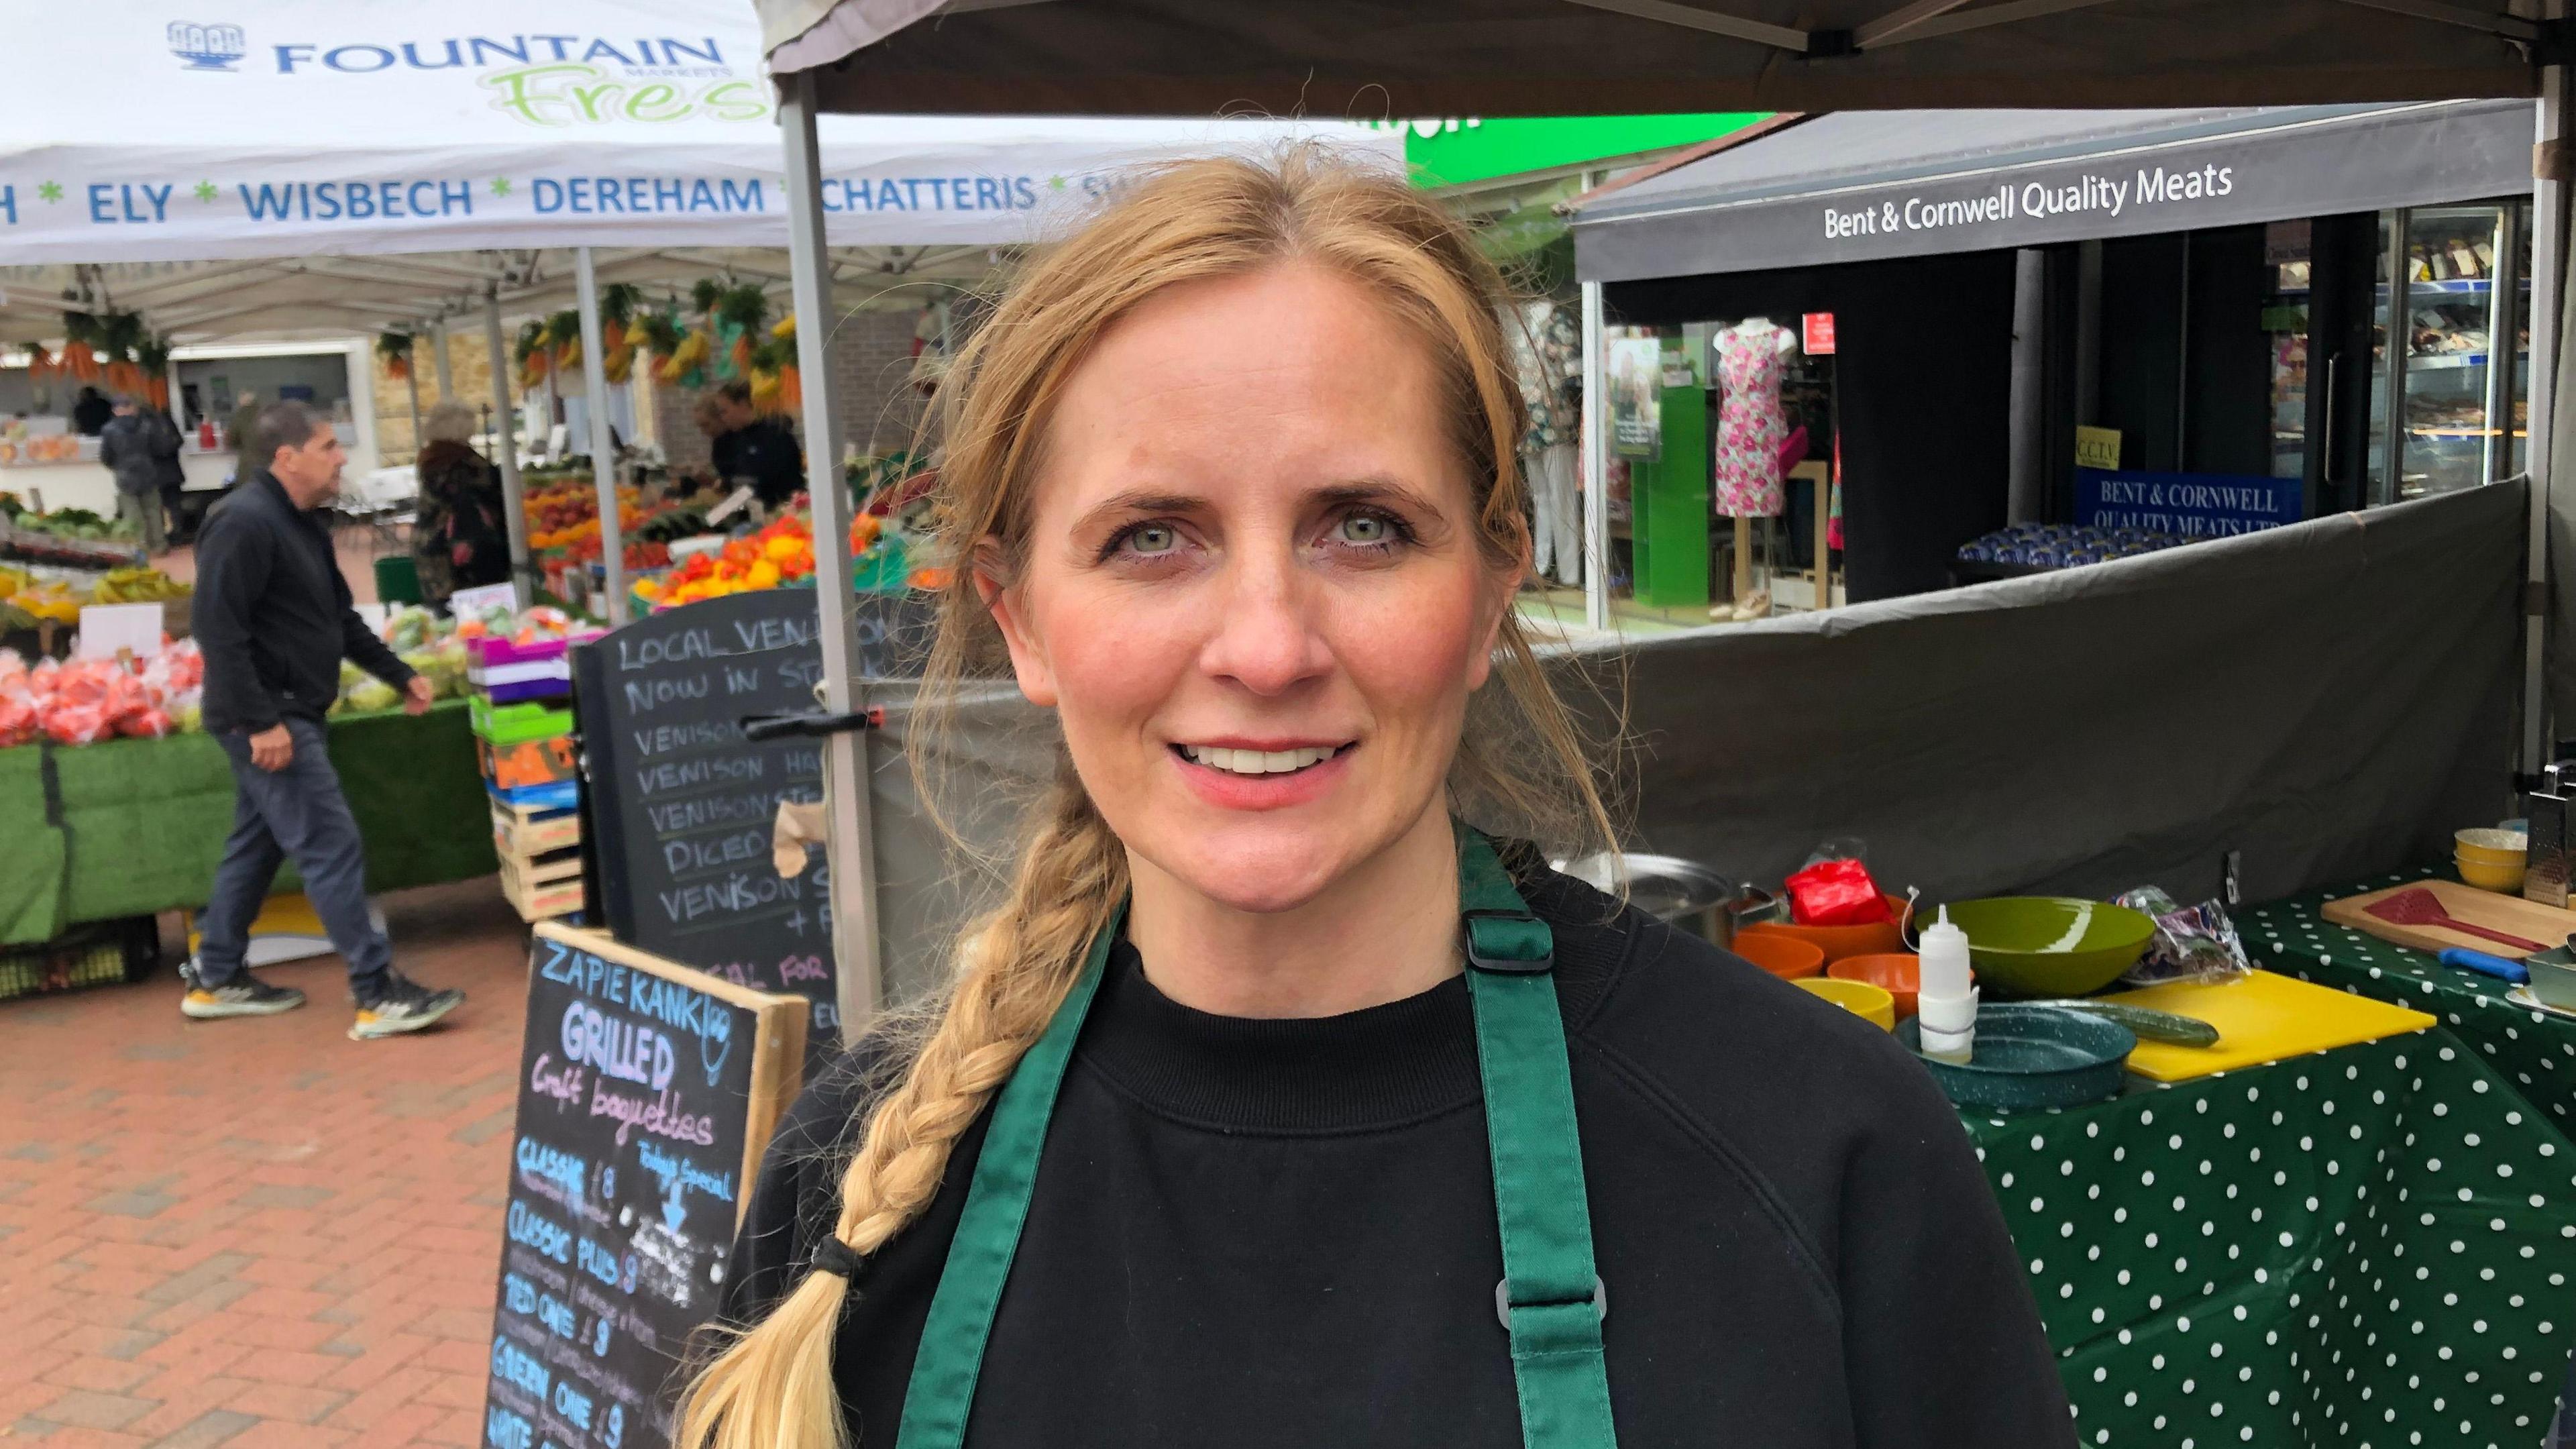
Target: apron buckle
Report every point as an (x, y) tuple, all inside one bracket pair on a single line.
[(1515, 942), (1503, 1304)]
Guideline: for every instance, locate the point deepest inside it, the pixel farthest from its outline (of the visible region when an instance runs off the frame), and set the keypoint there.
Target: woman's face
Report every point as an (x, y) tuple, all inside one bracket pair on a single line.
[(1253, 591)]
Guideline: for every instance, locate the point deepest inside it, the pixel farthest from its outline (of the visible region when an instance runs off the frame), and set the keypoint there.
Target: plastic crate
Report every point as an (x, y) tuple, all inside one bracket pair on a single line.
[(562, 795), (103, 953), (528, 763), (515, 724)]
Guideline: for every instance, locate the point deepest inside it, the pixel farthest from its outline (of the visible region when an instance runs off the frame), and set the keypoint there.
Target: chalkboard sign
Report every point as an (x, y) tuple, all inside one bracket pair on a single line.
[(647, 1093), (681, 804)]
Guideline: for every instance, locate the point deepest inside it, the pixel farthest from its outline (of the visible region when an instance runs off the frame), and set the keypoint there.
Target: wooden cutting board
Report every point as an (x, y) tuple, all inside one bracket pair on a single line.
[(2511, 914), (2260, 1018)]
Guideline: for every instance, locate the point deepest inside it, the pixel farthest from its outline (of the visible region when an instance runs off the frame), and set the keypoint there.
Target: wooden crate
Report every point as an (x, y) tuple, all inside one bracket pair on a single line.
[(539, 900), (520, 831), (543, 869)]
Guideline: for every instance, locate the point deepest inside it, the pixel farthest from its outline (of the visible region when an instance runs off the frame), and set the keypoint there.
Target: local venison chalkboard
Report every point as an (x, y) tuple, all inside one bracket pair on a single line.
[(647, 1093), (681, 803)]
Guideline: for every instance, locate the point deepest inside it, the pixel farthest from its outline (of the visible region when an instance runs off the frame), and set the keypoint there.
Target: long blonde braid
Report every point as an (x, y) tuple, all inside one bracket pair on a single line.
[(1523, 767), (773, 1386)]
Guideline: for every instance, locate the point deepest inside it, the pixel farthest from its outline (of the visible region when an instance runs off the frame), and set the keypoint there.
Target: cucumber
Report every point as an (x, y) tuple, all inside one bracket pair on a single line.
[(2164, 1026)]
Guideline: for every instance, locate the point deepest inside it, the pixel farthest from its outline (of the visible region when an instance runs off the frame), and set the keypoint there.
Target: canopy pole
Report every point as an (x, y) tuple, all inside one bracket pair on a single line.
[(2548, 301), (505, 441), (1596, 491), (411, 383), (603, 452), (848, 837), (438, 351)]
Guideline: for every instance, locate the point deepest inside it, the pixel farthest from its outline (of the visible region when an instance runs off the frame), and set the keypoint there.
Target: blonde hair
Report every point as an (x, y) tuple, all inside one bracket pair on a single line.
[(1522, 765)]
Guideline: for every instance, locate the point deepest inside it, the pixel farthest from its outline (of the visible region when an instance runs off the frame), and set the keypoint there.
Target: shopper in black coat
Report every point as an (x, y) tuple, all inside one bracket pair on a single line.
[(274, 618)]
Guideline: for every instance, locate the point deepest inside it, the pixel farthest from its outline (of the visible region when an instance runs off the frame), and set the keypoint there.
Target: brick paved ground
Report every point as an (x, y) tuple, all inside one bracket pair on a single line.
[(259, 1233)]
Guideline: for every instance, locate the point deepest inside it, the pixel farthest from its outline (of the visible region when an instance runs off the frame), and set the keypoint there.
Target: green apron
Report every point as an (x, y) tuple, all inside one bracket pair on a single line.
[(1549, 1299)]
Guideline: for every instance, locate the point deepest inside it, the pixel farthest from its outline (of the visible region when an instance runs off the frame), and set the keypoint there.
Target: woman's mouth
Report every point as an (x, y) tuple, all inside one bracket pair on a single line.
[(1259, 762)]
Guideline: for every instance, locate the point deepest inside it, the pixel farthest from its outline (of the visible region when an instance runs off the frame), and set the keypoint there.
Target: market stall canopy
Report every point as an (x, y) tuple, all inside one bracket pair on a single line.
[(318, 127), (1866, 185), (1381, 58), (290, 298)]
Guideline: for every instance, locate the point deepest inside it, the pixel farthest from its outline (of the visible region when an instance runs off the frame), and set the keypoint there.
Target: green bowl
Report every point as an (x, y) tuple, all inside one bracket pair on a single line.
[(2028, 1058), (2049, 945)]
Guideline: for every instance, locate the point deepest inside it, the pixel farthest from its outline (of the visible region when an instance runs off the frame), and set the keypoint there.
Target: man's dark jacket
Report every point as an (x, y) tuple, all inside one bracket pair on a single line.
[(764, 453), (273, 614), (128, 446)]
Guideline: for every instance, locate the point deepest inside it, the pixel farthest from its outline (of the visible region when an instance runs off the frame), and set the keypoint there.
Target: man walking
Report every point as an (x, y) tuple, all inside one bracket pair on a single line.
[(273, 617), (128, 445)]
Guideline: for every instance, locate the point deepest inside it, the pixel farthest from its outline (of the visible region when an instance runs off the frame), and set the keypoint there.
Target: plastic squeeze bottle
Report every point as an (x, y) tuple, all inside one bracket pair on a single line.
[(1946, 998)]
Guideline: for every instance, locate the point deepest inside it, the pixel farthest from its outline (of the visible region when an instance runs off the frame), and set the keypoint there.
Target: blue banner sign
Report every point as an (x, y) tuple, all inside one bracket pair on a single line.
[(2191, 505)]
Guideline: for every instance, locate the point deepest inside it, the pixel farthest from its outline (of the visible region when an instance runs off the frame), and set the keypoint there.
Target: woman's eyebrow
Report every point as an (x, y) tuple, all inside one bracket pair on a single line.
[(1375, 490), (1136, 501)]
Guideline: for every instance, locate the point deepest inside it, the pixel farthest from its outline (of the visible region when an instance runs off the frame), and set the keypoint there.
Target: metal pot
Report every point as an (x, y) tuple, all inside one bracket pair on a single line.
[(1679, 892)]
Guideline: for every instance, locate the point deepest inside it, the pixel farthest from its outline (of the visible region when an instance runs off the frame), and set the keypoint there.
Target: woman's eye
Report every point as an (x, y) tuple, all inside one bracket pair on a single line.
[(1153, 538), (1366, 529)]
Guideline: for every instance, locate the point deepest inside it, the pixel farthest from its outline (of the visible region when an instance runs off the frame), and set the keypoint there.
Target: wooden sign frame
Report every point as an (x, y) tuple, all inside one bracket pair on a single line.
[(778, 1041)]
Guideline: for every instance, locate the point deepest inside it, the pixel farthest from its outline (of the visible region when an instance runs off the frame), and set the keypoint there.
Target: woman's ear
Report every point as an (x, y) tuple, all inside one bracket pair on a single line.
[(1506, 587), (1009, 609)]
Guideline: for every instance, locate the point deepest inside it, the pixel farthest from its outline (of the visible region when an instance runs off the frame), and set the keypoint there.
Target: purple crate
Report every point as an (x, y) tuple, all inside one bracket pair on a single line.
[(528, 689)]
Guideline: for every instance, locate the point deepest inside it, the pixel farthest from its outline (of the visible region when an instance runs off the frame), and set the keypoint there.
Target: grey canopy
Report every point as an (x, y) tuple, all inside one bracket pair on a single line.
[(1377, 58), (1865, 185)]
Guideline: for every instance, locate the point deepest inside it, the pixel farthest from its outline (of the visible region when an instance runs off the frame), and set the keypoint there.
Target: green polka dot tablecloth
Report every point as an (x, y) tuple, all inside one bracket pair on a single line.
[(2365, 1248), (2534, 1050)]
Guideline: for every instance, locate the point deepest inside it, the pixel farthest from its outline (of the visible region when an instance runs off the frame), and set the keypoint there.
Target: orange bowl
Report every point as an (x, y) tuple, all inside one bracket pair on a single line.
[(1839, 941), (1781, 956), (1898, 973)]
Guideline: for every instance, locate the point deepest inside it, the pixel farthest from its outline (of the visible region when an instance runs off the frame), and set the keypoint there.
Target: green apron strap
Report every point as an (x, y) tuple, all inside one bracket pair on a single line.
[(1550, 1297), (951, 1352), (1550, 1300)]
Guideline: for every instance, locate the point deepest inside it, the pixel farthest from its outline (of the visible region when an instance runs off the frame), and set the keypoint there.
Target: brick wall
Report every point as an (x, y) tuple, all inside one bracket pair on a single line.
[(682, 443), (470, 364), (871, 387)]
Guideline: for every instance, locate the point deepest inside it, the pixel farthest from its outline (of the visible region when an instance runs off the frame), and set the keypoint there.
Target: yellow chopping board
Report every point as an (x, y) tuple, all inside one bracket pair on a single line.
[(2513, 915), (2260, 1018)]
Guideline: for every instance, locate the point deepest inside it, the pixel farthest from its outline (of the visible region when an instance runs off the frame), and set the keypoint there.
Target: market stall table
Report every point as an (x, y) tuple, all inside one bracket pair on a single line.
[(131, 827), (2370, 1245), (2533, 1049)]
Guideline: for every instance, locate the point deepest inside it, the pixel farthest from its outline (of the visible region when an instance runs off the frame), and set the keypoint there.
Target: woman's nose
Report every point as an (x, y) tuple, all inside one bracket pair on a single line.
[(1266, 637)]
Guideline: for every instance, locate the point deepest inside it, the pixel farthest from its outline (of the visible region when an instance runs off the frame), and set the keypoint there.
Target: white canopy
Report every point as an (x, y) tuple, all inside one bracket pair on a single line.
[(316, 127)]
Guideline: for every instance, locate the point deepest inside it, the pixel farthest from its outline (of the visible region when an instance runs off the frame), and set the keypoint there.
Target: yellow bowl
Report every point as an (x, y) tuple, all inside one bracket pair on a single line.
[(2487, 876), (2491, 847), (1869, 1003)]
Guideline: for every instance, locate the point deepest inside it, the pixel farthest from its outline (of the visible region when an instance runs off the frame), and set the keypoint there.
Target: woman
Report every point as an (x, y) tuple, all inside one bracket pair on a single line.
[(1236, 466), (458, 538)]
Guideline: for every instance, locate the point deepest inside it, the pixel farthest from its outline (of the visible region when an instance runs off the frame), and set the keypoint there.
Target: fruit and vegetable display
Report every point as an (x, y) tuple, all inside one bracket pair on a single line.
[(41, 448), (563, 518), (88, 700), (782, 552), (74, 536), (85, 701), (137, 585), (72, 523), (28, 599)]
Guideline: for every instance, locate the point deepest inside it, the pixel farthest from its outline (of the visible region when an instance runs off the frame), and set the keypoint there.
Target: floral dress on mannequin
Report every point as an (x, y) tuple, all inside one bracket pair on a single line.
[(1749, 427)]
